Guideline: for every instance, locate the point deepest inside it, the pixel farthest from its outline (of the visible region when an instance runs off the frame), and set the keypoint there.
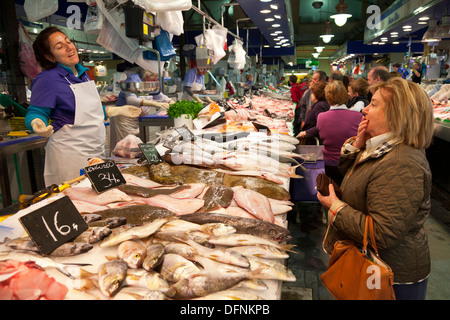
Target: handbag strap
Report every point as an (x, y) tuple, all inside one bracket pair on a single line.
[(369, 230)]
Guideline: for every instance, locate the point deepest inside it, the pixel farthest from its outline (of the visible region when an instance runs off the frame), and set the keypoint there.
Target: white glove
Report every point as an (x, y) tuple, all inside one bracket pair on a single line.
[(198, 99), (40, 128), (126, 111), (209, 99), (152, 103)]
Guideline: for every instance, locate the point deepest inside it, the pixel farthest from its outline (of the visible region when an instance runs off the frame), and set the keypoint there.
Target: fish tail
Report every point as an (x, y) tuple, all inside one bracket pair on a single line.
[(288, 247)]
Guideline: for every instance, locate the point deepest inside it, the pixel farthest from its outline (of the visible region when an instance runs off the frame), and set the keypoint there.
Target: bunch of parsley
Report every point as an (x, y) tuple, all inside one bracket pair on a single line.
[(189, 108)]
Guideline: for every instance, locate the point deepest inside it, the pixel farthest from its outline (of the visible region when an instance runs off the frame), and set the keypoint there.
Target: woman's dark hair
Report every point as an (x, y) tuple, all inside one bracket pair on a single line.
[(41, 47), (319, 90)]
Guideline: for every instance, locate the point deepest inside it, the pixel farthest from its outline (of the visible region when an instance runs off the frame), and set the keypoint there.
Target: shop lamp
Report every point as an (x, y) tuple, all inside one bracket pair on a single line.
[(319, 48), (430, 34), (315, 55), (326, 37), (444, 30), (341, 16)]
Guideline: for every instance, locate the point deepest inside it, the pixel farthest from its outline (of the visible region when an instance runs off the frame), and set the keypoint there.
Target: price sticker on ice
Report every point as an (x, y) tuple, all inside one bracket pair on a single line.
[(54, 224), (104, 176)]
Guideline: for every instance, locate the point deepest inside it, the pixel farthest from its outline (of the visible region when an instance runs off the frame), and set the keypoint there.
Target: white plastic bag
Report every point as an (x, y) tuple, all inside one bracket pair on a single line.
[(38, 9), (214, 39), (27, 60), (128, 147), (237, 56), (94, 20), (171, 21), (164, 5)]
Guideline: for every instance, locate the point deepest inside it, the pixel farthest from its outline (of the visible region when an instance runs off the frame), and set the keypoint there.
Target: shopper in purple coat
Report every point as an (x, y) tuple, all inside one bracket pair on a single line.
[(309, 129), (335, 127)]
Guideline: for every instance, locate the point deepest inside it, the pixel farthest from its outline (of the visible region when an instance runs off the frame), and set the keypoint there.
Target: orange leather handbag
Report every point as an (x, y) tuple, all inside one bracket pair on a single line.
[(355, 274)]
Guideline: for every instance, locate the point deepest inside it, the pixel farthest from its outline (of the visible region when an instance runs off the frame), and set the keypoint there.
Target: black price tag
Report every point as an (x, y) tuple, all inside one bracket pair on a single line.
[(185, 133), (104, 176), (150, 153), (54, 224)]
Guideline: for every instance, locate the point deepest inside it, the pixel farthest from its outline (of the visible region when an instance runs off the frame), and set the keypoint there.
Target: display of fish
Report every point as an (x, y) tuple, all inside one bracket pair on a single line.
[(182, 249), (149, 192), (238, 239), (133, 253), (138, 232), (259, 228), (141, 278), (170, 174), (111, 275)]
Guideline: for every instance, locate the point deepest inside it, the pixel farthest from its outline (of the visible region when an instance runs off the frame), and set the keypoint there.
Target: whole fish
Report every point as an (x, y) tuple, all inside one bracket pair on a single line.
[(154, 256), (217, 196), (220, 255), (180, 225), (71, 249), (254, 202), (139, 232), (175, 236), (150, 280), (174, 267), (203, 283), (178, 206), (133, 253), (260, 251), (237, 239), (111, 275), (93, 235), (110, 222), (253, 173), (217, 229), (182, 249), (253, 227), (149, 192), (136, 214)]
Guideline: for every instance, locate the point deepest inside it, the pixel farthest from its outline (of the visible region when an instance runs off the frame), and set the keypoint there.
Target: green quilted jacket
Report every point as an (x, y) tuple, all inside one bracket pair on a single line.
[(394, 188)]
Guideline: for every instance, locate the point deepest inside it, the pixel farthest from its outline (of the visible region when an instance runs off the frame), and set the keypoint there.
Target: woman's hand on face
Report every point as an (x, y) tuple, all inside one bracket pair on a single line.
[(327, 201), (361, 137)]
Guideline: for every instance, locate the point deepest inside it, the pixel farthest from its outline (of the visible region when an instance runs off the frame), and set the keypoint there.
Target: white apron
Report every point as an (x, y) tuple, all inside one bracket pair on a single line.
[(195, 87), (69, 148)]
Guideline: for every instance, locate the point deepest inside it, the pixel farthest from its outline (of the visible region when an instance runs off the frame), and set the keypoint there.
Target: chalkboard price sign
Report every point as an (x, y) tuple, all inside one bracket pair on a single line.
[(54, 224), (104, 176), (150, 153)]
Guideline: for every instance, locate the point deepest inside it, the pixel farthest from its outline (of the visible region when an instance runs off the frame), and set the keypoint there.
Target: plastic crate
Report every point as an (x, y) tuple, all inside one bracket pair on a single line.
[(17, 124)]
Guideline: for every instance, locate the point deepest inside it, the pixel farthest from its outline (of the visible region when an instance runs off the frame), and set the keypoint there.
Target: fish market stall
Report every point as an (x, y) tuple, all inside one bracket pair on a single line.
[(172, 231)]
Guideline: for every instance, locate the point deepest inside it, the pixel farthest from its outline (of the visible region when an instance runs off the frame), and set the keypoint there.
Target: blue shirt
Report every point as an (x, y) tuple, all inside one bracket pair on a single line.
[(403, 72), (192, 76), (51, 96), (122, 97)]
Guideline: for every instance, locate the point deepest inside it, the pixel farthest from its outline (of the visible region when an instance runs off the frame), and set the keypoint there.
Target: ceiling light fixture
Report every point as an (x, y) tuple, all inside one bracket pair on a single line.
[(274, 6), (341, 16), (424, 18), (276, 25), (319, 48), (395, 42), (265, 11), (278, 32), (430, 34), (444, 29), (277, 16), (269, 19), (406, 27), (315, 54), (265, 0), (326, 37)]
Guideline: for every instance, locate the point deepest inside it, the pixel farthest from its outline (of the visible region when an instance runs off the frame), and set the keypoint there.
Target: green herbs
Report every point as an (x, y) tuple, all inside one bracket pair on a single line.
[(190, 108)]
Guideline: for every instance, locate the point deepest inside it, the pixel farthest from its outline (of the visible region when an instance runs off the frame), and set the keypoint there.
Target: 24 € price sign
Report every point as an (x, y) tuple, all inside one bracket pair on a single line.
[(54, 224)]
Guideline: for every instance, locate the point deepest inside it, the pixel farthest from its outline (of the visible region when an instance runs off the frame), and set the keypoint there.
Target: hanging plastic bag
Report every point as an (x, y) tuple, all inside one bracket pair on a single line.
[(27, 60), (38, 9), (214, 39), (171, 21), (163, 44), (237, 56), (94, 20), (128, 147), (164, 5)]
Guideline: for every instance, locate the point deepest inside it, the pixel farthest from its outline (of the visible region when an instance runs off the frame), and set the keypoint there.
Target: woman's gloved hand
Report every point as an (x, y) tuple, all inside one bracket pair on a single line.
[(126, 111), (198, 99), (152, 103), (40, 128)]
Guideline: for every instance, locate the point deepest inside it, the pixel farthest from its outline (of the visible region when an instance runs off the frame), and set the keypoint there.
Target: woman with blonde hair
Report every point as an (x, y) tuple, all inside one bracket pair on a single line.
[(387, 176)]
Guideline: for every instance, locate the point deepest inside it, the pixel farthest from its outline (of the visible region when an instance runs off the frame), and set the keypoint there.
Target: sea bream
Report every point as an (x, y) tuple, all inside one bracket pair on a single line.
[(154, 255), (174, 267), (111, 275), (254, 202), (133, 253)]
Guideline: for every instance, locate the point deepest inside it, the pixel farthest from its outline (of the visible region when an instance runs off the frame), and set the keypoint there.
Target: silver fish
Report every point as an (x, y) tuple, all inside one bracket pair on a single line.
[(150, 280), (260, 251), (154, 256), (138, 232), (182, 249), (128, 293), (133, 253), (93, 235), (111, 274), (231, 294), (174, 267)]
